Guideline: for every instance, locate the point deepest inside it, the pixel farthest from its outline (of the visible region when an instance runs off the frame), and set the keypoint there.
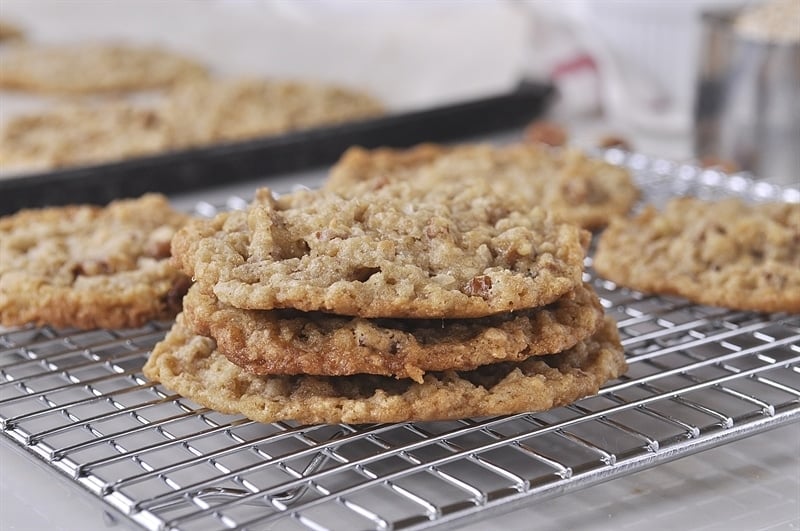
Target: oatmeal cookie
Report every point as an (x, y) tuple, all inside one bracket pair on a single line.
[(575, 187), (381, 256), (190, 365), (292, 342), (81, 134), (725, 253), (219, 111), (93, 68), (88, 267)]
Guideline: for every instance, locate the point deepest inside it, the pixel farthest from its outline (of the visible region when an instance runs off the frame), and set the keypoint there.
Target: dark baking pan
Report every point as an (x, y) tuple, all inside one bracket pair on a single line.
[(192, 169)]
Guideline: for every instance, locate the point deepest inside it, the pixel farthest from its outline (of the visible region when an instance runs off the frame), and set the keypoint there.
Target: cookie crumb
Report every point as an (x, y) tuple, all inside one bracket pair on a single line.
[(719, 163), (545, 132), (614, 141)]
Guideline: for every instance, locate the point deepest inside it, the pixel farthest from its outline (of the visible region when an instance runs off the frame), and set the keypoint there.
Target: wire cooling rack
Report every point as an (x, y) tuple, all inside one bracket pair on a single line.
[(699, 377)]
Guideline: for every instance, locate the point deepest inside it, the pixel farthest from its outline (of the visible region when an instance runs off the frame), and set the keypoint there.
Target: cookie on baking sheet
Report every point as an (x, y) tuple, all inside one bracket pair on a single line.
[(10, 32), (724, 253), (378, 255), (226, 110), (292, 342), (88, 266), (574, 186), (81, 134), (190, 365), (93, 68)]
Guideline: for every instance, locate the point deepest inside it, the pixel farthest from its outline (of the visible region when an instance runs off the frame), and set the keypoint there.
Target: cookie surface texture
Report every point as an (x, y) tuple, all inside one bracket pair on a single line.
[(291, 342), (89, 266), (229, 110), (383, 256), (81, 134), (725, 253), (574, 186), (190, 365), (93, 68)]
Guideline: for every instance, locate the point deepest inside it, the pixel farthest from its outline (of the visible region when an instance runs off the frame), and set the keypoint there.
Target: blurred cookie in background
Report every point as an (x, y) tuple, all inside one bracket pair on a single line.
[(10, 32), (209, 111), (75, 135), (90, 68)]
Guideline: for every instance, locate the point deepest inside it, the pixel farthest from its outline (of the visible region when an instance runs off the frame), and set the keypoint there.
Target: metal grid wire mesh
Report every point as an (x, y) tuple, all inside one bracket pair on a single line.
[(698, 377)]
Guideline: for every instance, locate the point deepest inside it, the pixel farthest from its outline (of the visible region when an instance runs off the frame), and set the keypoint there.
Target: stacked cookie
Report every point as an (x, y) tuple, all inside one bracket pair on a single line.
[(320, 308)]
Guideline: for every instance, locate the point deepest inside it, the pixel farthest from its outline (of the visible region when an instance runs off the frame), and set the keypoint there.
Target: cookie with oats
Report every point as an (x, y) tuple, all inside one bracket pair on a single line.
[(378, 255), (93, 68), (89, 266), (190, 365), (722, 253), (292, 342), (574, 186), (81, 134), (227, 110)]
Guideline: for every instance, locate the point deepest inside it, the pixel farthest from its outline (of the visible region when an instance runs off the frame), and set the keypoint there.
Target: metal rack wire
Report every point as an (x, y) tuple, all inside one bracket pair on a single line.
[(699, 377)]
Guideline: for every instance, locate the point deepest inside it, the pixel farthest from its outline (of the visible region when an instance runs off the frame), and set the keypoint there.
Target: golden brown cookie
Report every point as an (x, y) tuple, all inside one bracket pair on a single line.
[(292, 342), (218, 111), (93, 68), (88, 266), (378, 255), (81, 134), (724, 253), (189, 364), (575, 187)]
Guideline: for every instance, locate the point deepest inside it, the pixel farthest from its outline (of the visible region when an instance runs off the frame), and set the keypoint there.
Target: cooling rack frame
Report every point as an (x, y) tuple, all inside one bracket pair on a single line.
[(700, 377)]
